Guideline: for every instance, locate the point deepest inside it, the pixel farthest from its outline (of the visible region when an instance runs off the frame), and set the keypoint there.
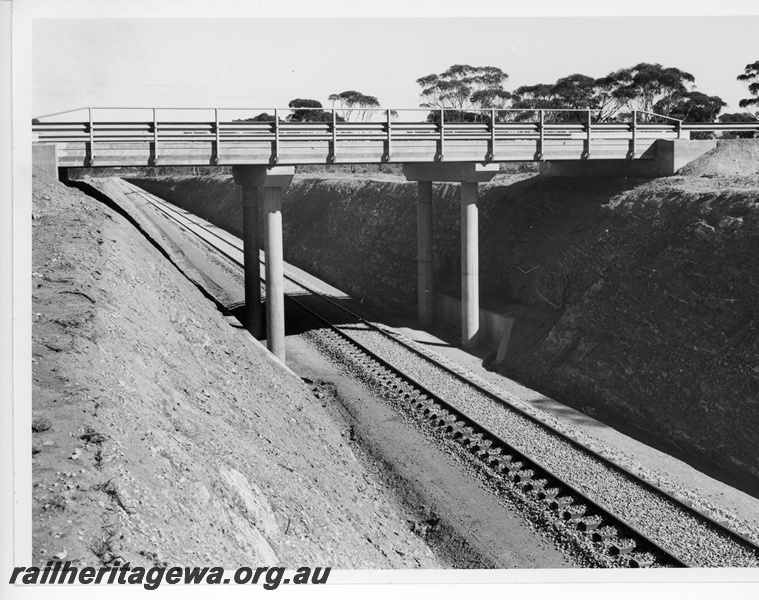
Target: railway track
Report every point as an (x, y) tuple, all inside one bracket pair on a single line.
[(625, 520)]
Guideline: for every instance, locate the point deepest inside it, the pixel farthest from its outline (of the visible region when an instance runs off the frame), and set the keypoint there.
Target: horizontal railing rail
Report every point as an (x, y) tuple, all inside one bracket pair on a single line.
[(747, 126)]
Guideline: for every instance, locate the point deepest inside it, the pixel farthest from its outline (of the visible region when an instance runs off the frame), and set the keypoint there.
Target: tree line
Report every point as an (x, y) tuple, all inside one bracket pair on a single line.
[(468, 93)]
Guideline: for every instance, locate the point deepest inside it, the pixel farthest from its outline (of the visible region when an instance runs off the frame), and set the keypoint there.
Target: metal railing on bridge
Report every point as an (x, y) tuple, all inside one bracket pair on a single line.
[(179, 136)]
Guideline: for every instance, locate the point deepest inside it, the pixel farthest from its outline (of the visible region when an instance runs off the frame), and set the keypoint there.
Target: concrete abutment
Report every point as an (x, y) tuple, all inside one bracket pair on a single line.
[(662, 159)]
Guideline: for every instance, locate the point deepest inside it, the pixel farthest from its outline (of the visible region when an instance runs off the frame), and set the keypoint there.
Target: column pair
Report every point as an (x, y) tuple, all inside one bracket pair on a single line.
[(262, 185), (468, 175)]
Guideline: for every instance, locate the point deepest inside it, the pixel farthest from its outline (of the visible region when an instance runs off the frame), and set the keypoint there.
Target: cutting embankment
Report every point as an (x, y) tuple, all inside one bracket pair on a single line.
[(165, 436), (634, 300)]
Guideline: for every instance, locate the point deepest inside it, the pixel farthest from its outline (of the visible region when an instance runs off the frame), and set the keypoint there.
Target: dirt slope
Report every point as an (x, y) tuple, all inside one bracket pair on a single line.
[(649, 287), (141, 455)]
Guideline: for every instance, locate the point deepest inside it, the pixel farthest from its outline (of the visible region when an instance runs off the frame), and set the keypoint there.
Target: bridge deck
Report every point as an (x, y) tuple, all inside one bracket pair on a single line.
[(111, 142)]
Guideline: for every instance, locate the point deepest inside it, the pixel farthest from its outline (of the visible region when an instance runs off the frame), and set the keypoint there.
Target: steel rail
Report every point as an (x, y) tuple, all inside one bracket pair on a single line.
[(233, 241)]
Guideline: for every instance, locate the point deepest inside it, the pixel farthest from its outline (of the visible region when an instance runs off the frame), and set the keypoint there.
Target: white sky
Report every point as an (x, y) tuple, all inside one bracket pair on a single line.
[(266, 62)]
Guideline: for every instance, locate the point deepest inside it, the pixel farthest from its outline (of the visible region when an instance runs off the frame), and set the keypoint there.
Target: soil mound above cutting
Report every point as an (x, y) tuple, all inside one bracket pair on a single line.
[(730, 158)]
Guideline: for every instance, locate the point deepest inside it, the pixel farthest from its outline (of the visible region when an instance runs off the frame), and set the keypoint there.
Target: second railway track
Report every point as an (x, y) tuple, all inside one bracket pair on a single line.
[(621, 514)]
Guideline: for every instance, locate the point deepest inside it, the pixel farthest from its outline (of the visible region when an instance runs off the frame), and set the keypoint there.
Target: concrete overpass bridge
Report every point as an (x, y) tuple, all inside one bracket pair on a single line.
[(95, 137), (263, 155)]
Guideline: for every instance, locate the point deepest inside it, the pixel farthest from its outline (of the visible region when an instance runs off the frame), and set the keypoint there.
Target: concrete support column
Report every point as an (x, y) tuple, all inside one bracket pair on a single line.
[(268, 185), (249, 178), (470, 261), (424, 253), (275, 300), (250, 227)]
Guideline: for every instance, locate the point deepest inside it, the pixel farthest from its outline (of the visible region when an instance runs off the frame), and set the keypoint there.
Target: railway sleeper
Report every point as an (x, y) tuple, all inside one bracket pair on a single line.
[(501, 462), (471, 440), (430, 410), (496, 463), (461, 432), (445, 419), (483, 455), (434, 413), (421, 401), (574, 512), (536, 485), (425, 409), (548, 493), (454, 426), (639, 560), (590, 523), (607, 532), (481, 447), (561, 502), (522, 476), (622, 546)]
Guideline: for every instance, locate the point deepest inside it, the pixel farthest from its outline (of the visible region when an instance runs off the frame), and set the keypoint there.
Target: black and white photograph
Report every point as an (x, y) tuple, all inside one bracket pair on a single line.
[(443, 299)]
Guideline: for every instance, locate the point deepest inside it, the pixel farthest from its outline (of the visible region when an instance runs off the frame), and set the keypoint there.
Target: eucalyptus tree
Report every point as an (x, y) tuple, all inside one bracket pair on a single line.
[(464, 90), (695, 107), (308, 110), (354, 106), (744, 117), (576, 91), (647, 86), (750, 77)]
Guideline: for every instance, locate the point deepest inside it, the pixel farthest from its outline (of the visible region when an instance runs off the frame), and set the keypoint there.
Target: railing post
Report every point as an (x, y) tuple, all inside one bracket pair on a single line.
[(155, 138), (217, 153), (276, 136), (442, 133), (541, 133), (389, 138), (334, 136), (92, 136), (492, 135), (587, 148), (634, 141)]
